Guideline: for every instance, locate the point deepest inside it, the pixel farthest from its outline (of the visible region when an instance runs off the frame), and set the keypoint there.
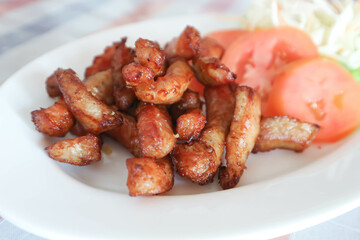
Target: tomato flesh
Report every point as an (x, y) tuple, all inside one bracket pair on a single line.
[(257, 57), (318, 91), (226, 37)]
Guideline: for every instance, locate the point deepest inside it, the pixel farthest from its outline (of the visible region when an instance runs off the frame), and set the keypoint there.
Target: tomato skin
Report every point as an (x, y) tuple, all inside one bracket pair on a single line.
[(226, 37), (258, 56), (319, 91)]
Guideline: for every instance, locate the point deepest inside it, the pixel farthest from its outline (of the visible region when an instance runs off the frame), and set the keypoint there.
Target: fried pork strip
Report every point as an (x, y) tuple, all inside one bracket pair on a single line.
[(148, 176), (102, 62), (169, 88), (155, 131), (124, 97), (200, 159), (52, 87), (189, 100), (190, 125), (127, 135), (210, 72), (94, 115), (149, 54), (100, 85), (244, 129), (78, 151), (186, 45), (286, 133), (208, 68), (55, 120)]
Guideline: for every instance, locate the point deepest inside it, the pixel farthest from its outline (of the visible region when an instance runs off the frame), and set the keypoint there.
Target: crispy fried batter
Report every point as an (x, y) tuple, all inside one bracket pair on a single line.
[(210, 48), (101, 86), (149, 54), (284, 132), (102, 62), (52, 87), (124, 97), (78, 151), (169, 88), (127, 135), (94, 115), (190, 125), (189, 100), (148, 176), (155, 131), (200, 159), (55, 120), (244, 129), (210, 72), (186, 45)]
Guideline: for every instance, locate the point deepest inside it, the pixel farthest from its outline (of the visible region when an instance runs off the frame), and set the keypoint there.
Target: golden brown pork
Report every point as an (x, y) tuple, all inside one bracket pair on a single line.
[(286, 133), (94, 115), (55, 120), (200, 159), (124, 97), (169, 88), (103, 61), (155, 131), (148, 176), (127, 135), (244, 129), (78, 151), (186, 45)]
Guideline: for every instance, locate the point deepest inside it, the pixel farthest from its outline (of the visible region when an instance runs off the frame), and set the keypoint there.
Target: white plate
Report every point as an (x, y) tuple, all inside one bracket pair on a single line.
[(281, 191)]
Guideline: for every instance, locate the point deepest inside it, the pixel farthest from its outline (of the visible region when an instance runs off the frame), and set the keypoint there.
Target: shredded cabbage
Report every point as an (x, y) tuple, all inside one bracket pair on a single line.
[(334, 25)]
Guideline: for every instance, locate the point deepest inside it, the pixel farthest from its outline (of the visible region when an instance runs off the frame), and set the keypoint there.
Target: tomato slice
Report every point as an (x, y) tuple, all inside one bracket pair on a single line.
[(226, 37), (258, 56), (319, 91)]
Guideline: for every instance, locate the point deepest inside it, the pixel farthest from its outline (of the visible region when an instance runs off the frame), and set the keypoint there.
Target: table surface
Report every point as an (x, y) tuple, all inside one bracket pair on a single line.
[(29, 28)]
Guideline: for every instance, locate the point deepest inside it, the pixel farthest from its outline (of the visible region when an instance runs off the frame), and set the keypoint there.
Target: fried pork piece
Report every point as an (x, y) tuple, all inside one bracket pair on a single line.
[(210, 72), (284, 132), (124, 97), (148, 176), (210, 48), (190, 124), (244, 129), (55, 120), (101, 86), (200, 159), (127, 135), (135, 74), (155, 131), (169, 88), (102, 62), (149, 54), (79, 151), (186, 45), (94, 115), (189, 100), (52, 87), (78, 129)]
